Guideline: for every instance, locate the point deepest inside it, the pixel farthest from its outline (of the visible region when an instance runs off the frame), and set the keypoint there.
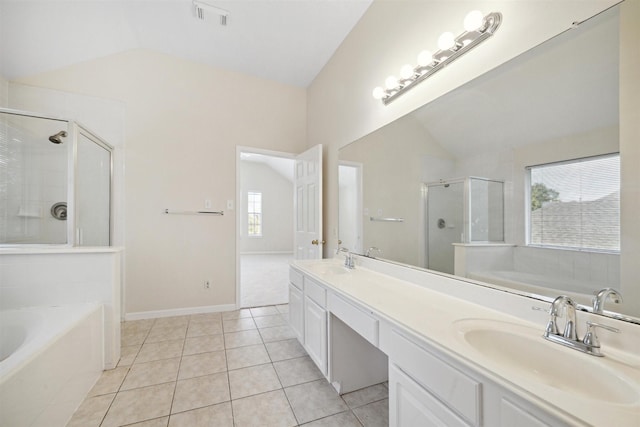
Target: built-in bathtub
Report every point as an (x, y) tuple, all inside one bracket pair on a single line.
[(50, 359), (539, 284)]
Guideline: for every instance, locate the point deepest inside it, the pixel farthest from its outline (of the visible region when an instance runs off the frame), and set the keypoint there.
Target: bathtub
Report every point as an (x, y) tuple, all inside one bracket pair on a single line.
[(50, 357), (539, 284)]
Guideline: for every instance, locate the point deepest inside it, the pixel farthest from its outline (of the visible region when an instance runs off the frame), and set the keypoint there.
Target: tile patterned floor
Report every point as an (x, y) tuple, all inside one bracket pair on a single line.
[(239, 368)]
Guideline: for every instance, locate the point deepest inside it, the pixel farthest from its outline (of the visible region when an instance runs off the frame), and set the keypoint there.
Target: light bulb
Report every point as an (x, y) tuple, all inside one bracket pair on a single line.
[(425, 58), (446, 41), (391, 82), (406, 72), (378, 93), (473, 20)]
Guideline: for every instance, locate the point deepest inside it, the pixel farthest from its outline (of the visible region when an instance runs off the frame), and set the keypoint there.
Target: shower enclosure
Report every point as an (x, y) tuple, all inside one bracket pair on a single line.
[(55, 182), (464, 210)]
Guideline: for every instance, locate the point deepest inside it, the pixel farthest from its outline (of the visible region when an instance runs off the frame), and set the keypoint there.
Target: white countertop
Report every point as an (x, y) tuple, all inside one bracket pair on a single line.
[(435, 317)]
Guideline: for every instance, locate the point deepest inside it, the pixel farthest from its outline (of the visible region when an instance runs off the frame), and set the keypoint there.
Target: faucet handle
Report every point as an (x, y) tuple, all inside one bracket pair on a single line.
[(590, 338)]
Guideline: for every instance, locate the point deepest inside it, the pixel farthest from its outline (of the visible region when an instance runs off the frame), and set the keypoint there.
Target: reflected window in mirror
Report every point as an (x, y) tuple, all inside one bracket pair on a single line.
[(576, 204)]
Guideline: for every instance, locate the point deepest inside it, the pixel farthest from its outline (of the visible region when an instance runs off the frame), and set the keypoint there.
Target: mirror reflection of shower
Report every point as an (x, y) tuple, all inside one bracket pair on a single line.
[(462, 211), (57, 138)]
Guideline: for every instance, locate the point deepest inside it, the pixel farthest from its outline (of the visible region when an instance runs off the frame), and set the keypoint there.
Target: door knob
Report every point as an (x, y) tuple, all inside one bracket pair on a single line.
[(316, 242)]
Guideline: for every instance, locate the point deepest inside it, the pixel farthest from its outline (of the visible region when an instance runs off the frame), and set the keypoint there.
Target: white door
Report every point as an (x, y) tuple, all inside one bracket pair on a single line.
[(307, 204)]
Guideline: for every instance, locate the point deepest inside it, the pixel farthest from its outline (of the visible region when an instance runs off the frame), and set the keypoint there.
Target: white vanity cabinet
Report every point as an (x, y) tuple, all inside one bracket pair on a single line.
[(296, 304), (315, 323), (426, 388)]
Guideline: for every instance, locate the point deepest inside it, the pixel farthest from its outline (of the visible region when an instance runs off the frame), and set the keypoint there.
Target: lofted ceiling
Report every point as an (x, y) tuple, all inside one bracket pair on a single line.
[(288, 41)]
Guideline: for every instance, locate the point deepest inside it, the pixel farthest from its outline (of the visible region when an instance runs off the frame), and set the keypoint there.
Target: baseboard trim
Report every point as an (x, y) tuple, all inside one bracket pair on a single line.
[(140, 315)]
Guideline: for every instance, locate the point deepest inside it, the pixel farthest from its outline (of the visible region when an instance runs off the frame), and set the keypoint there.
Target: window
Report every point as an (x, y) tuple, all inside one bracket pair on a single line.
[(576, 204), (254, 212)]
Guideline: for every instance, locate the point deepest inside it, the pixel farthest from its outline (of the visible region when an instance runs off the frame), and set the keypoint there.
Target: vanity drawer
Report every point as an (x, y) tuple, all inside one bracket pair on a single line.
[(295, 278), (357, 319), (459, 391), (315, 291)]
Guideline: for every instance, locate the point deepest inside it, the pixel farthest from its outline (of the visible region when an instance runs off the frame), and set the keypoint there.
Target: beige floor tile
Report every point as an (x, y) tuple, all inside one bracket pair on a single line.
[(297, 371), (286, 349), (235, 325), (270, 321), (243, 357), (200, 329), (166, 333), (314, 400), (202, 364), (241, 339), (253, 380), (133, 338), (282, 308), (159, 350), (137, 325), (212, 416), (265, 410), (264, 311), (366, 395), (171, 322), (203, 344), (236, 314), (128, 354), (91, 411), (151, 373), (374, 414), (109, 382), (205, 318), (200, 392), (277, 333), (343, 419), (156, 422), (140, 404)]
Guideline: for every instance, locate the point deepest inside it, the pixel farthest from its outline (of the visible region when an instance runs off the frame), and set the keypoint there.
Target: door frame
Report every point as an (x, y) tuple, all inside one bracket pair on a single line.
[(250, 150)]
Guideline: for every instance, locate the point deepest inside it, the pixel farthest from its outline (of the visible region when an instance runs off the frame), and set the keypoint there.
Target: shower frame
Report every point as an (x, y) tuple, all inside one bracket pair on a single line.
[(74, 131)]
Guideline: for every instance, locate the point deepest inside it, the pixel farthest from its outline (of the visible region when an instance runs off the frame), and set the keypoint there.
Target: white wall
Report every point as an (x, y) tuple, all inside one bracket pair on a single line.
[(277, 208), (183, 122), (4, 92)]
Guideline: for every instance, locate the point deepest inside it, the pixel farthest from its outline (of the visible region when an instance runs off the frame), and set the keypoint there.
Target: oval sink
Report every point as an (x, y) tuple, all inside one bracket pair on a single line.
[(522, 351), (325, 268)]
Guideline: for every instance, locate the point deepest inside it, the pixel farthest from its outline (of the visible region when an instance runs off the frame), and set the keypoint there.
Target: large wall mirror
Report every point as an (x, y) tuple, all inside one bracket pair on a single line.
[(510, 180)]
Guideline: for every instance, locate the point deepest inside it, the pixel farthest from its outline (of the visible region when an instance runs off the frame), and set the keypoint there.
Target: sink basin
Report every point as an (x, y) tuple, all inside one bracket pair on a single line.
[(329, 269), (523, 352)]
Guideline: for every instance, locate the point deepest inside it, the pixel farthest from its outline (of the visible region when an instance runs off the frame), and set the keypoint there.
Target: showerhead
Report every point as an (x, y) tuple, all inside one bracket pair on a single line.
[(57, 138)]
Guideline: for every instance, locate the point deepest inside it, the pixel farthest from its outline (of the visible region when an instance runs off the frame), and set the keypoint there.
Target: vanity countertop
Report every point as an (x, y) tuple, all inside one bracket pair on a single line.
[(441, 320)]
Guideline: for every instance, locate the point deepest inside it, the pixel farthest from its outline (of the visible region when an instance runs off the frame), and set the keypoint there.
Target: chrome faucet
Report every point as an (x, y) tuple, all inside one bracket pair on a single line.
[(569, 337), (372, 249), (602, 295), (349, 258)]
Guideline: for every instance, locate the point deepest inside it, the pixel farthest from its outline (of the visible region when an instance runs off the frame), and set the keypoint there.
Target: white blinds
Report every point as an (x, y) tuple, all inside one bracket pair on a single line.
[(576, 204)]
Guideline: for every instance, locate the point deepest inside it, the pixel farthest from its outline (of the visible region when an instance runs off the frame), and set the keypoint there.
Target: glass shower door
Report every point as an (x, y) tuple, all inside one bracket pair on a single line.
[(445, 224), (93, 188), (34, 174)]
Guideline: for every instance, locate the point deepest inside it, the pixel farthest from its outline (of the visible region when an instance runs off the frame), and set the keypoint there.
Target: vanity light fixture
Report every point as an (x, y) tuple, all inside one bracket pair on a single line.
[(200, 6), (477, 28)]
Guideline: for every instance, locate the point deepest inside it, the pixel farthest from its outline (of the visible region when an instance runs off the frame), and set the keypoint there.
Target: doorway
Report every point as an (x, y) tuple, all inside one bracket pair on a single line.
[(265, 242)]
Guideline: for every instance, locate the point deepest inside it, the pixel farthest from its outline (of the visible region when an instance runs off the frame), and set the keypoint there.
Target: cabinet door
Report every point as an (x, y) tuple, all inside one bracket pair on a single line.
[(296, 319), (315, 333), (512, 414), (411, 405)]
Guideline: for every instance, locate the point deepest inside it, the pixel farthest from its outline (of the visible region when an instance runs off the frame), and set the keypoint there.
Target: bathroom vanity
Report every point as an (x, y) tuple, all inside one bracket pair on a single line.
[(455, 354)]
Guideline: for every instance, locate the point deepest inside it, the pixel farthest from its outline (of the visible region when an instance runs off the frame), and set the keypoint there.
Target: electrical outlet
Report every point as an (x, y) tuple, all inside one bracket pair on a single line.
[(207, 284)]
